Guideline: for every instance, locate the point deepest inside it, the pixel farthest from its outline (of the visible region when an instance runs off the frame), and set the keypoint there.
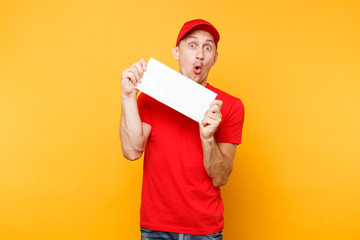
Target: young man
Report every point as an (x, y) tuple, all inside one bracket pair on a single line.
[(184, 163)]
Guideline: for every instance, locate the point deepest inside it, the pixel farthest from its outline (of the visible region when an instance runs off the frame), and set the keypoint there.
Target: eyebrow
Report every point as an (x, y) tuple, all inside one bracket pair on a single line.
[(207, 40)]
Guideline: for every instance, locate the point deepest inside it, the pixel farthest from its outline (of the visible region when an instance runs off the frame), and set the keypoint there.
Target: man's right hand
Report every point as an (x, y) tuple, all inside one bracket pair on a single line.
[(131, 77)]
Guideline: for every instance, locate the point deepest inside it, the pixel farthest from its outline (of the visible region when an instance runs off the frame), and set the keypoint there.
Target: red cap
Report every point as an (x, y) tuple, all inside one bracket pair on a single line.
[(198, 24)]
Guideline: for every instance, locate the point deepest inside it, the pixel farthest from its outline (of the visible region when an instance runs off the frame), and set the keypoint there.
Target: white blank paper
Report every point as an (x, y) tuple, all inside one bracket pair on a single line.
[(175, 90)]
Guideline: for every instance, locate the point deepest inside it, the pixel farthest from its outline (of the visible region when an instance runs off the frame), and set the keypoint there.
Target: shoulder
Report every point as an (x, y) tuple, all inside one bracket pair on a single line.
[(232, 110)]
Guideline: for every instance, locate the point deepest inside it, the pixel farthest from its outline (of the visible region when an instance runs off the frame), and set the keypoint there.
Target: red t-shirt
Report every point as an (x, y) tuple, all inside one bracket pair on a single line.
[(177, 194)]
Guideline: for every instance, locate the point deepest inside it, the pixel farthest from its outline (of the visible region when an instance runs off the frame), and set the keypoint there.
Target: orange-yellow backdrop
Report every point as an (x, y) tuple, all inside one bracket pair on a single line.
[(295, 65)]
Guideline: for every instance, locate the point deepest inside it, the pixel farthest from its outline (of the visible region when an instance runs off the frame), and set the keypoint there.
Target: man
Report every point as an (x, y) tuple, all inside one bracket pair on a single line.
[(184, 163)]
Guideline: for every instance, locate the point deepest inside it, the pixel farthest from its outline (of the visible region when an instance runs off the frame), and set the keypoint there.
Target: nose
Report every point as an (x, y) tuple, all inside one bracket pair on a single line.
[(200, 54)]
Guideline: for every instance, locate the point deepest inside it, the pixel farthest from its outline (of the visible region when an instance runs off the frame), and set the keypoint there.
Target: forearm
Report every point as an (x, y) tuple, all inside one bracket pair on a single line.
[(217, 165), (131, 132)]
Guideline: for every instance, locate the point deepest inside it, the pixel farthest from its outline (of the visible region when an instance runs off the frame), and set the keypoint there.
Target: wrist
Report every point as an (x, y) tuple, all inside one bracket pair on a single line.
[(129, 96), (208, 139)]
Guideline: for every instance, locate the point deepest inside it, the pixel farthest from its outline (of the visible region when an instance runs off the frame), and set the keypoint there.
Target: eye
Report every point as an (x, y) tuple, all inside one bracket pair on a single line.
[(208, 48), (192, 45)]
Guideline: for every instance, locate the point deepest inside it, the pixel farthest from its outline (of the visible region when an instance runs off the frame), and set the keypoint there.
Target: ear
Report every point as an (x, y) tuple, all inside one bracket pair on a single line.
[(175, 52)]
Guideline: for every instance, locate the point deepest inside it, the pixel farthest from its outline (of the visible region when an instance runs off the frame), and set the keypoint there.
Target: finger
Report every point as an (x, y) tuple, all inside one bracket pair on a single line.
[(214, 112), (140, 71), (143, 64), (131, 77), (218, 103), (210, 115), (212, 122), (204, 122), (214, 108), (214, 117), (135, 72), (211, 119)]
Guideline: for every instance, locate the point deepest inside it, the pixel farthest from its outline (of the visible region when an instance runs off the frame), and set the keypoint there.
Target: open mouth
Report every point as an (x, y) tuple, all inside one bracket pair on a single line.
[(197, 69)]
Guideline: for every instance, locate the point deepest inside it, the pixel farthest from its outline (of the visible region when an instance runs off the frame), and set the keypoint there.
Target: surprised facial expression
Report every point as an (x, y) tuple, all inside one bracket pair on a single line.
[(196, 54)]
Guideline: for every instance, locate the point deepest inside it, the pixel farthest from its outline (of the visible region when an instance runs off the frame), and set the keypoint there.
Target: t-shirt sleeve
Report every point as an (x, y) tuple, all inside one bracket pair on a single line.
[(231, 129), (144, 108)]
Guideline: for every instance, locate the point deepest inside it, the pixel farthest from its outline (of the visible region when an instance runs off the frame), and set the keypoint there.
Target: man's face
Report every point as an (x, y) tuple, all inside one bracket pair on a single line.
[(196, 54)]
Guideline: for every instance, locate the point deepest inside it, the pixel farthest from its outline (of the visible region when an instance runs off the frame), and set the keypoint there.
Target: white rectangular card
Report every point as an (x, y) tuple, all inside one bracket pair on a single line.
[(175, 90)]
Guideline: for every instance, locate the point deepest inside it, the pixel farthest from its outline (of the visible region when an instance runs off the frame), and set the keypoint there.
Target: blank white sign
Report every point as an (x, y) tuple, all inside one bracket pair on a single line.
[(175, 90)]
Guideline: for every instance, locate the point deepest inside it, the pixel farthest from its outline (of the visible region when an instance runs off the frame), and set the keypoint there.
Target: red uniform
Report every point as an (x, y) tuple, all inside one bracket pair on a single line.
[(178, 195)]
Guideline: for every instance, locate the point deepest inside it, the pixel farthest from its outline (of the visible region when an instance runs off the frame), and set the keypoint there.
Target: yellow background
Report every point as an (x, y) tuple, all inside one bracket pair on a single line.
[(295, 65)]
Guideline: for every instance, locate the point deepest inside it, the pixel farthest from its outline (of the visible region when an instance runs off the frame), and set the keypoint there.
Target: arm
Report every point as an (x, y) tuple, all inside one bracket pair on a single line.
[(133, 133), (218, 157)]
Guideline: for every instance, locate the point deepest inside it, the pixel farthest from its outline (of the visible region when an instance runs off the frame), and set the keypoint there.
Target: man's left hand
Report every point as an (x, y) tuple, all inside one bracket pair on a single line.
[(211, 120)]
